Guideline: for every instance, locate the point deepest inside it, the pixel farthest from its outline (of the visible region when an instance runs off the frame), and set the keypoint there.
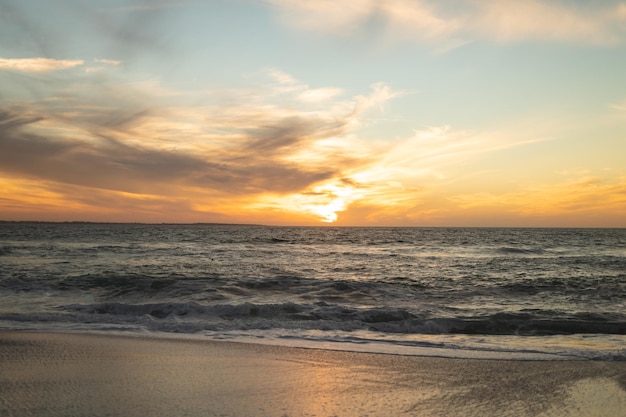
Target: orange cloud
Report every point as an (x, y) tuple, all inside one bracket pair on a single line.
[(210, 159), (38, 64), (586, 195)]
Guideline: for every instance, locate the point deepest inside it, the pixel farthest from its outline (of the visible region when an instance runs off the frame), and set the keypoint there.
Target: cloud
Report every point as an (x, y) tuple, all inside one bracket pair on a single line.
[(351, 16), (591, 194), (148, 6), (266, 146), (391, 179), (583, 201), (620, 106), (286, 84), (452, 23), (578, 201), (108, 163), (319, 94), (108, 61), (25, 199), (128, 33), (505, 21), (38, 64), (205, 156)]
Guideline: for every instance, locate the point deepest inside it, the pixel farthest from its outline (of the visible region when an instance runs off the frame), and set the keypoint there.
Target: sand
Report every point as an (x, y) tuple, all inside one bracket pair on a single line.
[(49, 374)]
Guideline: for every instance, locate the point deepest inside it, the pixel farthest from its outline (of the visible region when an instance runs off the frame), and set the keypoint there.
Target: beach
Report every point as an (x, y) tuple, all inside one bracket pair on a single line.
[(56, 374)]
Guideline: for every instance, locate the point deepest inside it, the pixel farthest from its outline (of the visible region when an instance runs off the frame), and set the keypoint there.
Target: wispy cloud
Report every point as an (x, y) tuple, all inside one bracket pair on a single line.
[(390, 179), (286, 84), (505, 21), (619, 106), (102, 64), (38, 64), (591, 194), (447, 24), (123, 31), (237, 148), (101, 158), (108, 61), (148, 6)]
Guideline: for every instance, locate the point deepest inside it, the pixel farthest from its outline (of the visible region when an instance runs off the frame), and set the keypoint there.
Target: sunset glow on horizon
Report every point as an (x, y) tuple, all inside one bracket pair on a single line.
[(297, 112)]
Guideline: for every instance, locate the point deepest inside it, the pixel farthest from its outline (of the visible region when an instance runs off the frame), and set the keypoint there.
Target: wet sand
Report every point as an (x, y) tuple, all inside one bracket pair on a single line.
[(49, 374)]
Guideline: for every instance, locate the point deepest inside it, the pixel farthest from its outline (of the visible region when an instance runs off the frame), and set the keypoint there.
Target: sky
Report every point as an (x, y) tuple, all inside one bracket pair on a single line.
[(321, 112)]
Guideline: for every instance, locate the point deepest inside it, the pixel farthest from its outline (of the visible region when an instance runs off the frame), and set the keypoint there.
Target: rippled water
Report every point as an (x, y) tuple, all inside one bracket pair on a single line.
[(545, 291)]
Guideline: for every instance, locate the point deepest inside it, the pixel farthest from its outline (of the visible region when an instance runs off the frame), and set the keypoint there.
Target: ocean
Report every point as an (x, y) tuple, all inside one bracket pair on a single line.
[(524, 293)]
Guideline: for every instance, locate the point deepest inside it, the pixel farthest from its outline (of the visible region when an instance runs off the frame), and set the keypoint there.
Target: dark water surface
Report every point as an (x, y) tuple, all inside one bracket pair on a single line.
[(553, 293)]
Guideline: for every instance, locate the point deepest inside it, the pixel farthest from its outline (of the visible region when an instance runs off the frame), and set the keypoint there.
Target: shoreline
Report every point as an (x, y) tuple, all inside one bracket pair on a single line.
[(448, 346), (72, 374)]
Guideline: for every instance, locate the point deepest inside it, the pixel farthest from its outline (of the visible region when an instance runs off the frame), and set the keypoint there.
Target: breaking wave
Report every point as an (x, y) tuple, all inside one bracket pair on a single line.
[(323, 316)]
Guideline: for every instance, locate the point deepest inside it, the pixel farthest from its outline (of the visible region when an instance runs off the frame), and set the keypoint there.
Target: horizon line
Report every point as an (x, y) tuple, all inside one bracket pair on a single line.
[(303, 226)]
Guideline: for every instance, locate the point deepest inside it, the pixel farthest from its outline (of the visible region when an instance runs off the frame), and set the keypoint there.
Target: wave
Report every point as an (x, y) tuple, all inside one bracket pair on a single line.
[(606, 287), (516, 250), (324, 316), (528, 325), (208, 287)]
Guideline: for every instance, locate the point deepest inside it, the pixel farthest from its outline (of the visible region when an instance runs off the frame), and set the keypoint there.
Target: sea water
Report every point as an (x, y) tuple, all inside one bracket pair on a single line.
[(456, 292)]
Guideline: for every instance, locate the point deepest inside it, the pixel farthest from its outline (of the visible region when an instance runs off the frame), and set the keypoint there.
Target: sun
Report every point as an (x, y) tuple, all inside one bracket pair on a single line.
[(332, 198), (324, 201), (328, 212)]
